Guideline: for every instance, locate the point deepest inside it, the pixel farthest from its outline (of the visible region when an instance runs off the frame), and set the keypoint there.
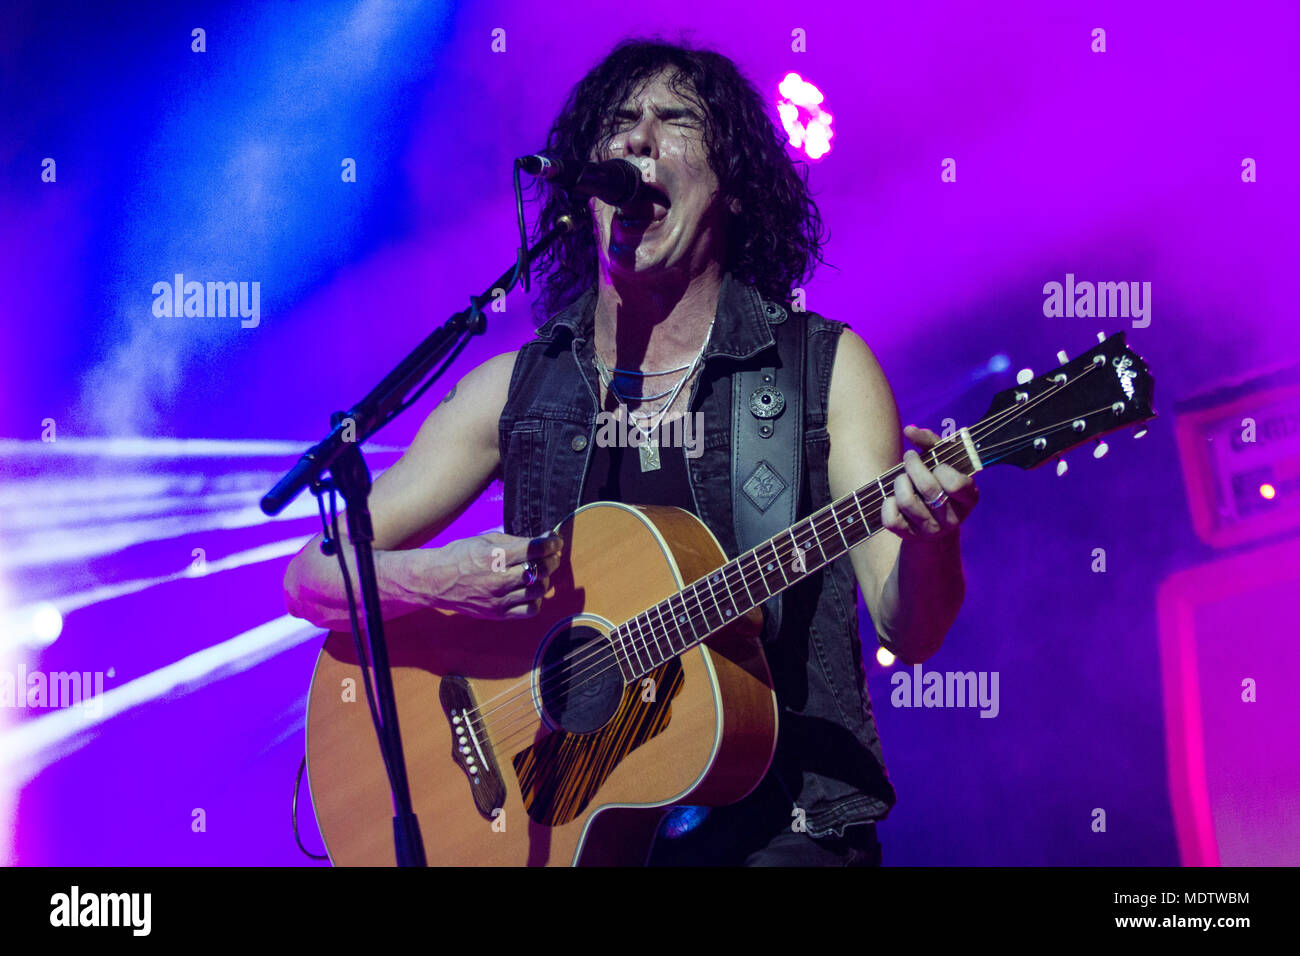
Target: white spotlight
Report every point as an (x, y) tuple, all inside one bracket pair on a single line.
[(46, 626)]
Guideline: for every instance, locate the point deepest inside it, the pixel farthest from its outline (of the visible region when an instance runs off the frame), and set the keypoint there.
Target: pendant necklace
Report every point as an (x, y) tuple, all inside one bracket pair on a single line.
[(649, 446)]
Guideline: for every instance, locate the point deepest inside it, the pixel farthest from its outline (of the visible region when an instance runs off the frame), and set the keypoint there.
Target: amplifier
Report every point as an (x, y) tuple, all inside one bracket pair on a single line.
[(1240, 451)]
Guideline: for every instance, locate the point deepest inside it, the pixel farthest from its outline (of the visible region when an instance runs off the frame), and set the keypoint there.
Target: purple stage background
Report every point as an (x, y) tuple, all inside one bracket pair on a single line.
[(134, 448)]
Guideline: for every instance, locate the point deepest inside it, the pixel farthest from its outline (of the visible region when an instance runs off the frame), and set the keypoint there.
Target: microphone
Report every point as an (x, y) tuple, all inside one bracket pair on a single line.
[(614, 181)]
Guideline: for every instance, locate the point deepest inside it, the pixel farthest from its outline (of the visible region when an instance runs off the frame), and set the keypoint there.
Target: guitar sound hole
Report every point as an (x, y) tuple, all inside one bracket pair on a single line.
[(580, 681)]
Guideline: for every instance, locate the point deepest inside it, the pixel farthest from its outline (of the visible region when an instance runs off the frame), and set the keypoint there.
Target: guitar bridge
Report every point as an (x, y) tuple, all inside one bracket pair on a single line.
[(470, 748)]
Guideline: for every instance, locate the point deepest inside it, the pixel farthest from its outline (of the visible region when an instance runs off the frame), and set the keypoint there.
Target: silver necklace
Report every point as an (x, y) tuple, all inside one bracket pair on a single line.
[(649, 446), (612, 385), (626, 374)]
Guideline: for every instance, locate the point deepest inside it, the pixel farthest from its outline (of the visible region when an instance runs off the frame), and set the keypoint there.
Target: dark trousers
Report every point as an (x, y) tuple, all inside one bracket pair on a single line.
[(758, 831)]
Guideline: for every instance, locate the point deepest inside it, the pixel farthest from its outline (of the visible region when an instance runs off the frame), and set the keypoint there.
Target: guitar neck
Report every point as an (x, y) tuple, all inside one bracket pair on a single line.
[(707, 605)]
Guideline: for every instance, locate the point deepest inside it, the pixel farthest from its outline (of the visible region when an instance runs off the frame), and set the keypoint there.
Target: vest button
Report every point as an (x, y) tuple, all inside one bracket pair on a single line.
[(579, 442)]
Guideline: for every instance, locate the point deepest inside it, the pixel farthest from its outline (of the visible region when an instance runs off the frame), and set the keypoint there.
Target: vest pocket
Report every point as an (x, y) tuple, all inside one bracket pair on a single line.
[(816, 456), (522, 498)]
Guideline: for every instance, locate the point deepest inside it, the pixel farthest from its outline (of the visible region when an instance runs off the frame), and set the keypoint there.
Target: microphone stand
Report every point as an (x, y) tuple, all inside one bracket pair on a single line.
[(339, 452)]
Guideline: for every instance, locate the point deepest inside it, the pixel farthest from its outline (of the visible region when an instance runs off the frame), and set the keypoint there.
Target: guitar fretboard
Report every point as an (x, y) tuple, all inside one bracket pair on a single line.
[(709, 604)]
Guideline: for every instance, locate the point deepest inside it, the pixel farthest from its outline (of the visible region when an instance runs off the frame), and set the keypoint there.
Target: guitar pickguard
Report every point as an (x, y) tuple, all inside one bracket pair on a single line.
[(560, 773)]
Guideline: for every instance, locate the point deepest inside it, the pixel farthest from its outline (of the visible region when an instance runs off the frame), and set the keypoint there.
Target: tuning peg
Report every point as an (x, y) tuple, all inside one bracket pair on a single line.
[(1101, 336), (1024, 376), (1062, 466), (1101, 449), (1062, 357), (1139, 431)]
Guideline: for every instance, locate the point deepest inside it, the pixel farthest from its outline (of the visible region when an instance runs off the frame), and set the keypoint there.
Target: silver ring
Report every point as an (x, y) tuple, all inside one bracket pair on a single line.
[(530, 573), (937, 502)]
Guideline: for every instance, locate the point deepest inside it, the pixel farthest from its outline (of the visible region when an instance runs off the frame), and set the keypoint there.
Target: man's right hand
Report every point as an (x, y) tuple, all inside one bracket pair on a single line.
[(483, 576), (453, 459)]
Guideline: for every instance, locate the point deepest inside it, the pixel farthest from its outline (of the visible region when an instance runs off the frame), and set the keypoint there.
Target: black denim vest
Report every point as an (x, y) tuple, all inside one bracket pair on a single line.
[(828, 757)]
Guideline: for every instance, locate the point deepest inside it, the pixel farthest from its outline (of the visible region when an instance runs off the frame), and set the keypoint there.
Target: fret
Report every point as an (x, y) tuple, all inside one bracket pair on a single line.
[(811, 523), (749, 595), (702, 631), (695, 589), (777, 560), (768, 591), (840, 528), (671, 628), (883, 494), (862, 530), (866, 516), (659, 610), (861, 515), (666, 622), (720, 577), (653, 650), (800, 565), (874, 510), (695, 634), (646, 630), (712, 579), (638, 643), (656, 650)]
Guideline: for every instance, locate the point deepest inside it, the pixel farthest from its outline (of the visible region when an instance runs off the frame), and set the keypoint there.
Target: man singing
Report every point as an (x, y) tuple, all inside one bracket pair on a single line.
[(651, 307)]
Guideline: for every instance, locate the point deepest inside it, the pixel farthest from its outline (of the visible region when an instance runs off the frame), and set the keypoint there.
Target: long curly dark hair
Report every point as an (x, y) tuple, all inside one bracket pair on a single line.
[(774, 243)]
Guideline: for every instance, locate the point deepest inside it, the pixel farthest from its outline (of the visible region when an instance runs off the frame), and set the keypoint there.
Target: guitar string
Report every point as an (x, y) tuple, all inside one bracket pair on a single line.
[(601, 650), (599, 646), (504, 735)]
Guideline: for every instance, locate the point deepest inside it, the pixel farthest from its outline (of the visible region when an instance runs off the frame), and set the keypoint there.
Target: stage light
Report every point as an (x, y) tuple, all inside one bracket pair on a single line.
[(34, 626), (799, 99), (30, 747), (884, 658), (1267, 492), (46, 626)]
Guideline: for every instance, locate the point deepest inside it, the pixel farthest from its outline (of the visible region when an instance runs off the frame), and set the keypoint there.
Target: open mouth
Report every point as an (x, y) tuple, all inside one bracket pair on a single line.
[(630, 224), (645, 211)]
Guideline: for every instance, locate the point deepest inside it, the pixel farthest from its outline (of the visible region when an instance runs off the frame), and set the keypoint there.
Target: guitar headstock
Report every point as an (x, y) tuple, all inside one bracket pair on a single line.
[(1041, 418)]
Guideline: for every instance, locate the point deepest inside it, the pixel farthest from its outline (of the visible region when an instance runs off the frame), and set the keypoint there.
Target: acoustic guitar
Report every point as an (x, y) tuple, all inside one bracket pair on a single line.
[(563, 738)]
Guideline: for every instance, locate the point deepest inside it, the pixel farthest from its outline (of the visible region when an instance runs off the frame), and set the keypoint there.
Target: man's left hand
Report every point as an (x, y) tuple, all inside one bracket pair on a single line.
[(950, 494)]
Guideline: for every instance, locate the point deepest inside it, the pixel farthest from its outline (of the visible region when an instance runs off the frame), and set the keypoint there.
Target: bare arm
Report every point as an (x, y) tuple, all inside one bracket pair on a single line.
[(912, 579), (452, 459)]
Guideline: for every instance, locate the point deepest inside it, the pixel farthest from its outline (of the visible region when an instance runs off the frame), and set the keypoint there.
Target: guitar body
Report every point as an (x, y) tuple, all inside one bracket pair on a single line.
[(570, 763)]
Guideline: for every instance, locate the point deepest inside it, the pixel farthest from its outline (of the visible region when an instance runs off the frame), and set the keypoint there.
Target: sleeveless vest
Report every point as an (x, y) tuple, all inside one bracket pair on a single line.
[(828, 756)]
